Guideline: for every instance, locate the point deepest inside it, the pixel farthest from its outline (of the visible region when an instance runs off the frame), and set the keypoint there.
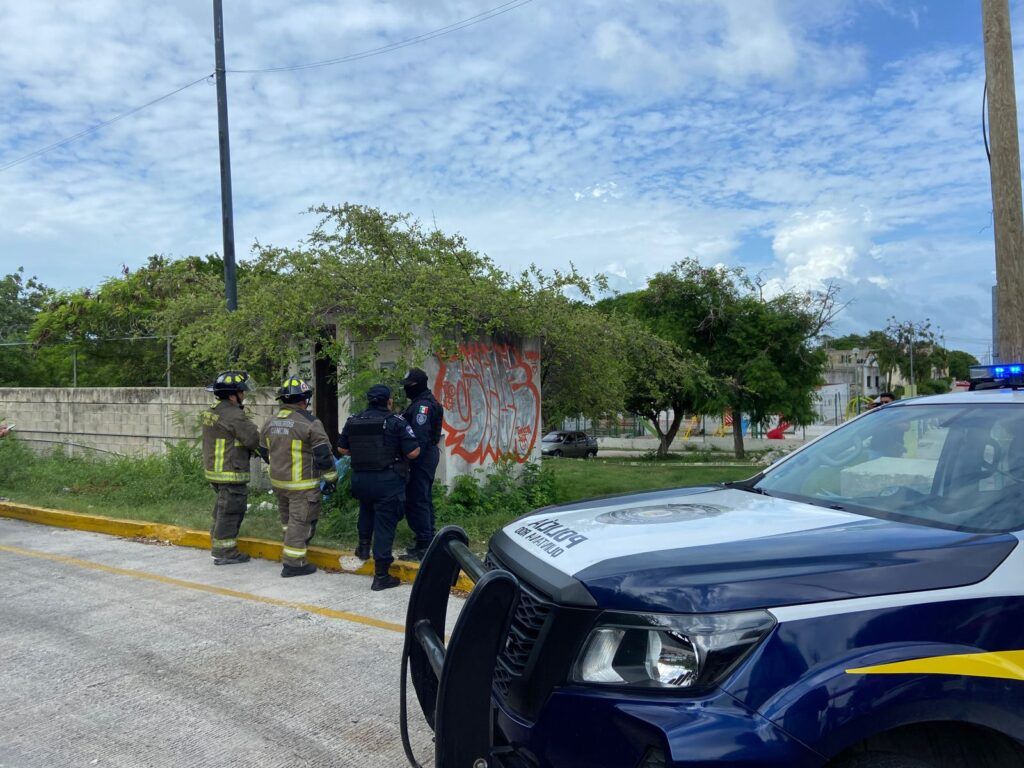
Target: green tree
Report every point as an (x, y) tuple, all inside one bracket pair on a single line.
[(661, 378), (21, 300), (960, 363), (762, 352), (365, 276), (115, 331), (583, 370), (916, 351)]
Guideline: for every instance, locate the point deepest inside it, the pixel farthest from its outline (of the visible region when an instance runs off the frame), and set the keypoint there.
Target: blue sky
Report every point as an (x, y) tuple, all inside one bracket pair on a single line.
[(807, 140)]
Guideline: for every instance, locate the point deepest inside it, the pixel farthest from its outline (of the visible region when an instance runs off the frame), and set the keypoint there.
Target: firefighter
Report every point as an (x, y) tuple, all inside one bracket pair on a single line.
[(300, 458), (229, 440), (425, 416), (379, 443)]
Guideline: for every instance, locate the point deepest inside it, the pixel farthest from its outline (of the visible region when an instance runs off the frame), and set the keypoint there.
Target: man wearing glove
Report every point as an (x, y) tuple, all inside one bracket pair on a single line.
[(229, 440), (300, 459)]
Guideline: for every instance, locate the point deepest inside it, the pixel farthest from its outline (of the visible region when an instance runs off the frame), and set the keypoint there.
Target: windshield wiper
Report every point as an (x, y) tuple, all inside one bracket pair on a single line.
[(746, 485)]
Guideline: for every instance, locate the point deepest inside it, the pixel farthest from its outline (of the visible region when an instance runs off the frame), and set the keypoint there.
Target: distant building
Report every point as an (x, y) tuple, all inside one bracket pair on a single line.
[(857, 369)]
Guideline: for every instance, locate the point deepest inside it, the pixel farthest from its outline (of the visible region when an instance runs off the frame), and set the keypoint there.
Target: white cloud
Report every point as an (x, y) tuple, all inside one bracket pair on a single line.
[(626, 134)]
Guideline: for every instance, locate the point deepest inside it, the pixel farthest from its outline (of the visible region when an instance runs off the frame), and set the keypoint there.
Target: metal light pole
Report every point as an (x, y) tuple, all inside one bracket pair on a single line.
[(227, 217)]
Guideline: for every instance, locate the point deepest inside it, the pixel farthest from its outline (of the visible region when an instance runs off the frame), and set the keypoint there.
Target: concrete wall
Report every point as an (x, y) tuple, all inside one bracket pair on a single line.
[(127, 421), (491, 394)]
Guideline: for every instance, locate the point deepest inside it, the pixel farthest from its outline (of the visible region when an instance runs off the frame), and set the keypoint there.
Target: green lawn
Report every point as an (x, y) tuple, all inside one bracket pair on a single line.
[(171, 490), (575, 480)]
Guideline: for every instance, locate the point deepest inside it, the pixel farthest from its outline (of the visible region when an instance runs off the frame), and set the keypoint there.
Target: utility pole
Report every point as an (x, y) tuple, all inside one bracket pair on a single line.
[(227, 217), (1004, 167), (913, 385)]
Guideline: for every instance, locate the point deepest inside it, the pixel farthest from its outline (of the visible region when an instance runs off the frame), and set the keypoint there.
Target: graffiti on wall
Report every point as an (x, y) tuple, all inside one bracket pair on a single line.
[(491, 398)]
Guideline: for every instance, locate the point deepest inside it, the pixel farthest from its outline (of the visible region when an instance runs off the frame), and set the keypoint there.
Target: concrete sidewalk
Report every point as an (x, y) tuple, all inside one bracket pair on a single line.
[(118, 653)]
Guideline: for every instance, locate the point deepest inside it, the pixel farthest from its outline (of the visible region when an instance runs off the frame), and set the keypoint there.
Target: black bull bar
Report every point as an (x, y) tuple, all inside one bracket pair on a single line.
[(453, 682)]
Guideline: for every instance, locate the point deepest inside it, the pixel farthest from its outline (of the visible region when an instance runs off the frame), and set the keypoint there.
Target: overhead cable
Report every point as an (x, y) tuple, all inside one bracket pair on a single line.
[(457, 26), (92, 129), (415, 40)]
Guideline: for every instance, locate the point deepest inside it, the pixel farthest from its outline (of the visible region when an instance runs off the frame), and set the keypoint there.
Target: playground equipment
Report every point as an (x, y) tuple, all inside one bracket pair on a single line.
[(857, 405), (726, 426), (692, 424)]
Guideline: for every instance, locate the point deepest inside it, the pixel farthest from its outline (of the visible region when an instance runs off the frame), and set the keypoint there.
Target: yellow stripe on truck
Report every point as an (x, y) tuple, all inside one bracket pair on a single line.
[(1006, 665)]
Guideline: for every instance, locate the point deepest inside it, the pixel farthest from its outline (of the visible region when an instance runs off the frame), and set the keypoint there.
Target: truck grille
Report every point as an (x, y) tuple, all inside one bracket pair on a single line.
[(532, 612)]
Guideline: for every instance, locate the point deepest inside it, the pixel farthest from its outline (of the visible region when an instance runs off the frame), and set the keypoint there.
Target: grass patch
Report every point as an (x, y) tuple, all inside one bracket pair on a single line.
[(575, 480), (170, 489)]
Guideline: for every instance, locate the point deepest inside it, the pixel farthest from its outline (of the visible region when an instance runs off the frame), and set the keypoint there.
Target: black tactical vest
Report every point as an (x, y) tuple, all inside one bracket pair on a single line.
[(366, 443)]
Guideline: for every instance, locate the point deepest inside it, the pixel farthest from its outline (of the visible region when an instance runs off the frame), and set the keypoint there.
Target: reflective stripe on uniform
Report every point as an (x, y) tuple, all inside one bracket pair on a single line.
[(224, 543), (294, 553), (227, 477), (330, 476), (218, 455), (296, 461), (296, 485)]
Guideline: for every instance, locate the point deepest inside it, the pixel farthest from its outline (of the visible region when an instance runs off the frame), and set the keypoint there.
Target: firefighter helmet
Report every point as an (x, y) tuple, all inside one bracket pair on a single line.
[(230, 383), (294, 390)]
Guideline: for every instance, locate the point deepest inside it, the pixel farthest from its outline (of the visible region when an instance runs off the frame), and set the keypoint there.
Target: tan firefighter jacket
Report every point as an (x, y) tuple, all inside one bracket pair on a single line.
[(229, 439), (300, 453)]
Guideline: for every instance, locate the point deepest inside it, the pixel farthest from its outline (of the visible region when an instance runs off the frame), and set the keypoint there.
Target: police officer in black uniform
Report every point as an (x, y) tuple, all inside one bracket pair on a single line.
[(380, 443), (425, 415)]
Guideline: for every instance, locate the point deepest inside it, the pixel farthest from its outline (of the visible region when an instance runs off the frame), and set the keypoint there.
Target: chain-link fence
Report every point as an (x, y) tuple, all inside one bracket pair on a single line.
[(115, 361)]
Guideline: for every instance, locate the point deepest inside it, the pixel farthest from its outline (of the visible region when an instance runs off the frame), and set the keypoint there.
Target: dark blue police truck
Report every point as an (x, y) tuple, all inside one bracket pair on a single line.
[(858, 604)]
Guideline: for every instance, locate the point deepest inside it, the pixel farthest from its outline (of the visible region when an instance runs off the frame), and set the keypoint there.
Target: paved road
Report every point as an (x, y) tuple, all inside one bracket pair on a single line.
[(119, 653)]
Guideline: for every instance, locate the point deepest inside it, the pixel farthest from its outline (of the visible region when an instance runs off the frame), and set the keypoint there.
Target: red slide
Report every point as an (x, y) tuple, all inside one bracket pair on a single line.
[(779, 432)]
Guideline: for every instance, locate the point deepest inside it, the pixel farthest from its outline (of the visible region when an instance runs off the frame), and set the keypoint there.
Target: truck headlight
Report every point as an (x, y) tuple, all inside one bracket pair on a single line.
[(668, 651)]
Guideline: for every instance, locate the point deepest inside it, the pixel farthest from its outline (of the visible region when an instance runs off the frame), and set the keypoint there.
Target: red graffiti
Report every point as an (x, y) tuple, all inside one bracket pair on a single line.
[(491, 402)]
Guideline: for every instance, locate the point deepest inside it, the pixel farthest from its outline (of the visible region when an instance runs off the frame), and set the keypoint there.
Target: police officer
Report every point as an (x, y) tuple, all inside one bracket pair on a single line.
[(425, 415), (379, 443), (229, 440), (300, 457)]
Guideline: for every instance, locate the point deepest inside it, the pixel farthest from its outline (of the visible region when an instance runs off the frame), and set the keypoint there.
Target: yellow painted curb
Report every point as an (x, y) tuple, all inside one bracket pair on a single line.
[(264, 549)]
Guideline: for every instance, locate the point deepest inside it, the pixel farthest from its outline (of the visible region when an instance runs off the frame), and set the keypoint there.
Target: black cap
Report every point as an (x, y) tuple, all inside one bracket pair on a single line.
[(415, 376), (378, 392)]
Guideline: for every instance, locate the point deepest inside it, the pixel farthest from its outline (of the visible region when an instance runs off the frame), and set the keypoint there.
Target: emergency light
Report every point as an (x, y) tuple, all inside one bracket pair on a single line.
[(1002, 374)]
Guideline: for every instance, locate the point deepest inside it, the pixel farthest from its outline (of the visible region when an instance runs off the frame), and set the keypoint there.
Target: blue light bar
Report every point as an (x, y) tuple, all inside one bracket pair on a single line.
[(1004, 371)]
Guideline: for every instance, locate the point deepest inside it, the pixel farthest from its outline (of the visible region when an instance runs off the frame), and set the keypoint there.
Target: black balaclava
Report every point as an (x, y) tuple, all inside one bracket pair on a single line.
[(415, 389)]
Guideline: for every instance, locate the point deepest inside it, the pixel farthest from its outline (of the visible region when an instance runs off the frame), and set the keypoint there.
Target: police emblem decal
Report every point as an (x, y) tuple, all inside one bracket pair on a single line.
[(421, 418)]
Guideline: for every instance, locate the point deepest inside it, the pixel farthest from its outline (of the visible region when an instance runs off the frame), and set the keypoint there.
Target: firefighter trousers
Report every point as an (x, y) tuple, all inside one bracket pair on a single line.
[(300, 511), (228, 513)]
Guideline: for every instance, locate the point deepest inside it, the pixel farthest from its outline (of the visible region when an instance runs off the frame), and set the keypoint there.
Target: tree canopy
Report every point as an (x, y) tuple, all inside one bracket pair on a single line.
[(761, 352), (21, 300), (383, 277)]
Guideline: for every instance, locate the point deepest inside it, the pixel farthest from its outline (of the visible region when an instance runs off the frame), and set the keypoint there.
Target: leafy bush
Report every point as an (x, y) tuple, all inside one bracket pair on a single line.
[(475, 502), (510, 490), (16, 459)]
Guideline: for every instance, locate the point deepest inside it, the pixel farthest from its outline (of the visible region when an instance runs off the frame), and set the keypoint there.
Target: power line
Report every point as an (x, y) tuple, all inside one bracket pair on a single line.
[(415, 40), (98, 126), (457, 26)]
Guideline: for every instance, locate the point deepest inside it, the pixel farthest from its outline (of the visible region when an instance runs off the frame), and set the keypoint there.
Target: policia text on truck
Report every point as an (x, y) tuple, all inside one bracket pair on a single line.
[(858, 604)]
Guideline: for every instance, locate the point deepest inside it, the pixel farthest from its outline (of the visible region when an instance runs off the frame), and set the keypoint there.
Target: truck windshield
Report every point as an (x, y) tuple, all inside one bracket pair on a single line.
[(950, 466)]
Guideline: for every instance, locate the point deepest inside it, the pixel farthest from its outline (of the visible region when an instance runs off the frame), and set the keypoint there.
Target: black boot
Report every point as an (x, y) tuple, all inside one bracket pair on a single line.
[(297, 570), (416, 553), (381, 578), (232, 559), (363, 550)]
